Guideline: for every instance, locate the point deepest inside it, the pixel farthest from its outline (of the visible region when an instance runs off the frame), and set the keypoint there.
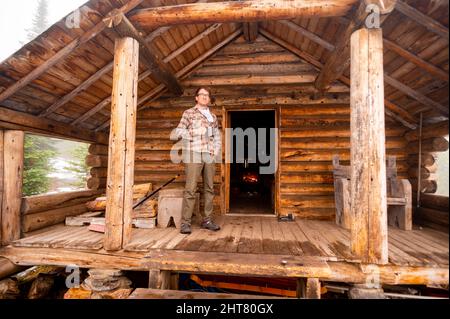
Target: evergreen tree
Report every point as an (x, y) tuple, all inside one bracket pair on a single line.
[(78, 166), (38, 151), (40, 20)]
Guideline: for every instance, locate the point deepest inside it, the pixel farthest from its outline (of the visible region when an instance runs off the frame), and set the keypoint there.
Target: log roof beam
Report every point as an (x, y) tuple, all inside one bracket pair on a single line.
[(426, 21), (426, 101), (156, 92), (14, 120), (148, 53), (388, 44), (339, 59), (147, 73), (62, 54), (79, 89), (308, 34), (97, 75), (392, 110), (238, 11), (421, 63)]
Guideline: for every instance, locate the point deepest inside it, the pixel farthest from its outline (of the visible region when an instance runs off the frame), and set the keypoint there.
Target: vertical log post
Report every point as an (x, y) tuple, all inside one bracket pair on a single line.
[(122, 135), (1, 181), (160, 279), (308, 288), (368, 166), (12, 185)]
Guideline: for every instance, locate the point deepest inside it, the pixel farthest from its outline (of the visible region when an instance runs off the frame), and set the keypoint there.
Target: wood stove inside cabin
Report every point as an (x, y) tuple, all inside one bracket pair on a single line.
[(251, 192)]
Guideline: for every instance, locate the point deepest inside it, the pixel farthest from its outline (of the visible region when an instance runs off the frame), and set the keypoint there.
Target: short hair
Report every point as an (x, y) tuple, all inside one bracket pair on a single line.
[(212, 99)]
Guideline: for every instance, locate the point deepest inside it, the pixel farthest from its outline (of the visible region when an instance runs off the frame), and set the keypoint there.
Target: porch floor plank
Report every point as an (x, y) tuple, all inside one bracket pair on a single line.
[(285, 238), (258, 235)]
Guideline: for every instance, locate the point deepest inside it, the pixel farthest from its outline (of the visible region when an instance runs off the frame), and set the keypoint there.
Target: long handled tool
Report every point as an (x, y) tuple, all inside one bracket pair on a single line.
[(143, 199)]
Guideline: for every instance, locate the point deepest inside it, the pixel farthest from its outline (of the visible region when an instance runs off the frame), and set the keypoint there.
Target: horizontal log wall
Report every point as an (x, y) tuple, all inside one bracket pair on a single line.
[(263, 75), (433, 210), (45, 210), (98, 161), (153, 145), (433, 142)]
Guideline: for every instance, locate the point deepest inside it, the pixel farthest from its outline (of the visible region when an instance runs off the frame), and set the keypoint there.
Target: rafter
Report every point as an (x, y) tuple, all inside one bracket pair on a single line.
[(308, 34), (426, 101), (392, 110), (63, 53), (411, 57), (242, 11), (93, 78), (148, 53), (146, 74), (10, 119), (339, 59), (156, 92), (421, 63), (83, 86), (429, 23)]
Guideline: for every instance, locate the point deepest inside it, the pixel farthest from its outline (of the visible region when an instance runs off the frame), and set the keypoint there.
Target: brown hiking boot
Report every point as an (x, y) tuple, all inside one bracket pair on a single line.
[(185, 229), (209, 224)]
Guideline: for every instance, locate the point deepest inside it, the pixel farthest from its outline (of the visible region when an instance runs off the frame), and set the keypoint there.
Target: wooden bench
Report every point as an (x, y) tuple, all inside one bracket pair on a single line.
[(399, 195)]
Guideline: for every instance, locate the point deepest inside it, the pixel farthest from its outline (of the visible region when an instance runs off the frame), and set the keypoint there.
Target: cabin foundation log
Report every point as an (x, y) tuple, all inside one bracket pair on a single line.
[(365, 292), (231, 264), (120, 180), (368, 164), (7, 267)]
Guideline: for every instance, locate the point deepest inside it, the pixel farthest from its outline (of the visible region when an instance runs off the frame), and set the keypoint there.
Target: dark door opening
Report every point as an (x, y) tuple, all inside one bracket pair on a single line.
[(251, 192)]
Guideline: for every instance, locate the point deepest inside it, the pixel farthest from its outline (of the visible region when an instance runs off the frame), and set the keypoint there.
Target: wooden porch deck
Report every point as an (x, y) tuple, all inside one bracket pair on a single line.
[(259, 235)]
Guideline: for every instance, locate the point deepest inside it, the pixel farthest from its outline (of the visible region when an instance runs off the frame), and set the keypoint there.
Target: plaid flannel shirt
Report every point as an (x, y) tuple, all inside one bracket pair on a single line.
[(198, 133)]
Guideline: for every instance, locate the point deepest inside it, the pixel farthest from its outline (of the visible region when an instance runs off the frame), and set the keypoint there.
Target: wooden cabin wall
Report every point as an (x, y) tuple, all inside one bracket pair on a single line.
[(433, 211), (40, 211), (153, 145), (433, 141), (263, 75), (97, 160)]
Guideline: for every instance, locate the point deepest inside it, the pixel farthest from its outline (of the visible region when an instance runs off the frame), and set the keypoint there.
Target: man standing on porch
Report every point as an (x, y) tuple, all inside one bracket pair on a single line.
[(199, 129)]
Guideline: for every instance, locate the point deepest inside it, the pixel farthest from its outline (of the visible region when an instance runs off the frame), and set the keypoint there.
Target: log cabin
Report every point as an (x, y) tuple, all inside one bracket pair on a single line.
[(363, 80)]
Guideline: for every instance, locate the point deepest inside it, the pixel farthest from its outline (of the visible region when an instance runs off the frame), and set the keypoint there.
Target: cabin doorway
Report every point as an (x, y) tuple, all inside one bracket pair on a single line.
[(251, 190)]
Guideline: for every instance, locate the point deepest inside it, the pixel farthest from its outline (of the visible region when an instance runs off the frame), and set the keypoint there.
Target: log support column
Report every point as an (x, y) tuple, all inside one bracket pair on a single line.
[(11, 175), (122, 135), (368, 165), (161, 279), (308, 288)]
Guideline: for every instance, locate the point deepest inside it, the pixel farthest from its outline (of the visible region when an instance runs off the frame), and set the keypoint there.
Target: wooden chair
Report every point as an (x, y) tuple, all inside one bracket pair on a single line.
[(399, 195)]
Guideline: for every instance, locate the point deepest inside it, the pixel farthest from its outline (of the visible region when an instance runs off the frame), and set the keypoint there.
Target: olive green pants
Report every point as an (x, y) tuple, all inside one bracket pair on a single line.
[(193, 171)]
